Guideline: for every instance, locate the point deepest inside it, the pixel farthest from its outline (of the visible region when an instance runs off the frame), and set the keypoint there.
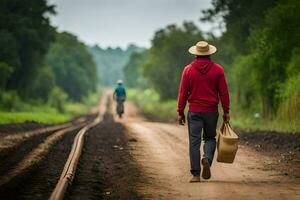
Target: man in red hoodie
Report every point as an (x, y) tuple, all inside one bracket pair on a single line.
[(202, 84)]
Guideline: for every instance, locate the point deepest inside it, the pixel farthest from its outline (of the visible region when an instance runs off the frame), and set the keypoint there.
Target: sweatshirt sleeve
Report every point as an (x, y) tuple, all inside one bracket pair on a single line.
[(223, 92), (183, 92)]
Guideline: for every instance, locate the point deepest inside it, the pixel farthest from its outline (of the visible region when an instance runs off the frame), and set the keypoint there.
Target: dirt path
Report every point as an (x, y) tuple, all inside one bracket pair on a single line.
[(106, 170), (162, 152)]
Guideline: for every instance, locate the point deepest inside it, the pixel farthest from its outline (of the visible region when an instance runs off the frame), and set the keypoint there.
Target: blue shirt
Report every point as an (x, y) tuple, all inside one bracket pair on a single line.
[(120, 91)]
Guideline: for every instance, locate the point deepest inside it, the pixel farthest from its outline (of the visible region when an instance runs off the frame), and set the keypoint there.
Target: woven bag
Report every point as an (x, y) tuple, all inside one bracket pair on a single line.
[(227, 144)]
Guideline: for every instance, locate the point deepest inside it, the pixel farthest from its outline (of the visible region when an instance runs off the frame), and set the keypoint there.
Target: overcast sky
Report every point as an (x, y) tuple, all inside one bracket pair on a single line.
[(120, 22)]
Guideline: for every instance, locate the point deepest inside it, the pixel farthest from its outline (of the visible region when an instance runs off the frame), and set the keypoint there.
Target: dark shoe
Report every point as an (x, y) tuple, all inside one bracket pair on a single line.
[(206, 168), (195, 179)]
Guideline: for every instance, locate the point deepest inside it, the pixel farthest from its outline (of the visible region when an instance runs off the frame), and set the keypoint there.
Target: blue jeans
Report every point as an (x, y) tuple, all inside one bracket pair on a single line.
[(198, 121)]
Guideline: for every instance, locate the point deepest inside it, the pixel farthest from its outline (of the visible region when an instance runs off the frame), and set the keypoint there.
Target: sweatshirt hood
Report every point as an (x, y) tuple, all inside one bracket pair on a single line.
[(203, 65)]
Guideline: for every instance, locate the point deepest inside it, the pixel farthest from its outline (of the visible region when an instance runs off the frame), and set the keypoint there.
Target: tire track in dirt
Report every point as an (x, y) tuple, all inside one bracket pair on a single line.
[(38, 181), (37, 154), (12, 140), (34, 159), (14, 146)]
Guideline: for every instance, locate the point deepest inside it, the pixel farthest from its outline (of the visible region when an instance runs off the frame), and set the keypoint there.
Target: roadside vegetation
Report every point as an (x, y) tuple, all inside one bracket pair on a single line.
[(56, 110), (259, 50), (46, 76), (151, 105)]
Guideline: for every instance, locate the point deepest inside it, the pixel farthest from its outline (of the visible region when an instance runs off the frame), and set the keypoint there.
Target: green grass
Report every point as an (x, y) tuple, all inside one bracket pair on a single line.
[(75, 108), (41, 117), (151, 105), (44, 113), (251, 124)]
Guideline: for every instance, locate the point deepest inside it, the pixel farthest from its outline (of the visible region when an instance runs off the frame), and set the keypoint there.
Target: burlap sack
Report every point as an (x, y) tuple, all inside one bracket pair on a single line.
[(227, 144)]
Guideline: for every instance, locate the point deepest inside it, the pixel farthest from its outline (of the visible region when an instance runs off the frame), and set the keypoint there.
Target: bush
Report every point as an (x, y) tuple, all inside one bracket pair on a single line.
[(41, 85), (289, 109), (58, 99), (10, 101), (75, 108), (243, 85), (5, 71)]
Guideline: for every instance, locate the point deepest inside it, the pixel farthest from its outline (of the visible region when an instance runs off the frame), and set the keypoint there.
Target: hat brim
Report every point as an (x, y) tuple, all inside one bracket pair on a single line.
[(211, 50)]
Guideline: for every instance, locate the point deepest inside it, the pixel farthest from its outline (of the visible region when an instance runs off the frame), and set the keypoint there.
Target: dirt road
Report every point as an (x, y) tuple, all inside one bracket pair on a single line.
[(162, 153), (132, 158)]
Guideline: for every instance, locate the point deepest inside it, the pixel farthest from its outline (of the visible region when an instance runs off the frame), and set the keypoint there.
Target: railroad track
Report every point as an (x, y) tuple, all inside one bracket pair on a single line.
[(38, 157), (69, 170)]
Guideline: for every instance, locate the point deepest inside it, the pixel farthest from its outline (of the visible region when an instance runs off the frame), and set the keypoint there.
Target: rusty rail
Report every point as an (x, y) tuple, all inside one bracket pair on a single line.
[(69, 170)]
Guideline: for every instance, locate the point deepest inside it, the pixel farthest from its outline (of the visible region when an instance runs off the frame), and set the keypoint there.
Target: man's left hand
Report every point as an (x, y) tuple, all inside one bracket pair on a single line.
[(181, 120)]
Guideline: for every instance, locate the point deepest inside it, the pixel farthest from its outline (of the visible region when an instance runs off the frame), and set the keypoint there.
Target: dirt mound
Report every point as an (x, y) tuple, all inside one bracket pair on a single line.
[(284, 147)]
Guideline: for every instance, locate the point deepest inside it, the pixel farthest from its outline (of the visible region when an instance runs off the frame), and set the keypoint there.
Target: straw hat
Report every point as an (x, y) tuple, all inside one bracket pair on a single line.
[(202, 48), (119, 82)]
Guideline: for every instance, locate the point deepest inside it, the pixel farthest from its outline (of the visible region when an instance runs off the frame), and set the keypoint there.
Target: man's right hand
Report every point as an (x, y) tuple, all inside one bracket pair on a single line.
[(226, 117), (181, 120)]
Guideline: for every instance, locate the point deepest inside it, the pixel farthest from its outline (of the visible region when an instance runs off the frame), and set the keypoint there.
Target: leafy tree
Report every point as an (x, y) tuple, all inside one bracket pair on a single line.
[(168, 56), (73, 67), (239, 17), (133, 70), (111, 61), (25, 35), (257, 46), (276, 40)]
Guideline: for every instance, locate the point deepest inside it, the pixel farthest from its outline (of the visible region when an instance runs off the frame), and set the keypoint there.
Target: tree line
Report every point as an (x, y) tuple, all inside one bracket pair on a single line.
[(259, 49), (262, 41), (110, 62), (161, 65), (36, 61)]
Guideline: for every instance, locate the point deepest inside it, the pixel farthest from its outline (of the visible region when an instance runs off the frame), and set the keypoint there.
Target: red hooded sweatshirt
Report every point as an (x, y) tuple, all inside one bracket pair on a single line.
[(202, 84)]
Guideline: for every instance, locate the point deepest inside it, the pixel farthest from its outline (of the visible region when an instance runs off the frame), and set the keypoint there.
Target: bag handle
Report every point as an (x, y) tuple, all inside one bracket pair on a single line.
[(225, 125)]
